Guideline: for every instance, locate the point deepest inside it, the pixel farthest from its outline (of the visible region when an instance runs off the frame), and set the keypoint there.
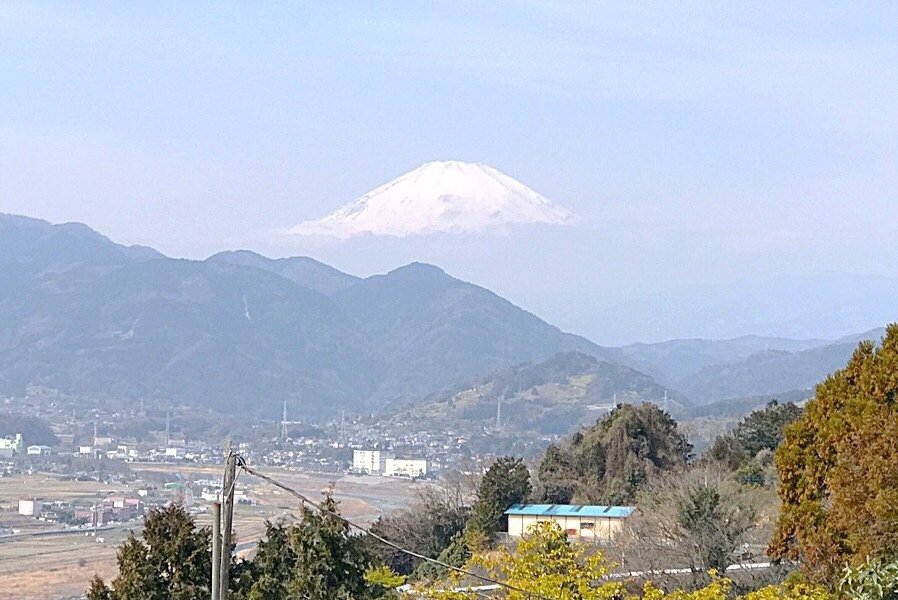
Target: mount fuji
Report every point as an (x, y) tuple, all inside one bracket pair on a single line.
[(441, 196)]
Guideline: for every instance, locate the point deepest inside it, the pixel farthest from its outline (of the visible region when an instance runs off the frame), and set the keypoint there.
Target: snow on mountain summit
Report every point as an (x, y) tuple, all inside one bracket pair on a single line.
[(442, 196)]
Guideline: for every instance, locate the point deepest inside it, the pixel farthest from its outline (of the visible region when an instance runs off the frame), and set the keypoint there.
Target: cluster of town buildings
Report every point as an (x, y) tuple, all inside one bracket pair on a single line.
[(109, 448), (12, 446)]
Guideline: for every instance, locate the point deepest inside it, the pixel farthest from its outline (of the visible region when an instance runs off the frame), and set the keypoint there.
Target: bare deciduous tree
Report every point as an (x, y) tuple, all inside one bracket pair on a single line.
[(697, 519)]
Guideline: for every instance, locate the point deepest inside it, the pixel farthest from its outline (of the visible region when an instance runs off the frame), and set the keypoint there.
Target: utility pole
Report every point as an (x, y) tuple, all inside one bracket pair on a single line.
[(216, 550), (227, 491), (499, 415)]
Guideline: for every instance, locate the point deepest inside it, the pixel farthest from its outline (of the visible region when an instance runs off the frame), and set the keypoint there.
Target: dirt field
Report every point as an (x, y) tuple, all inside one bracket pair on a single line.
[(48, 564)]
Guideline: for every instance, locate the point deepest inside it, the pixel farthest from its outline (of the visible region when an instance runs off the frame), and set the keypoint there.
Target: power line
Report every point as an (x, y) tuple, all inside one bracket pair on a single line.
[(241, 462)]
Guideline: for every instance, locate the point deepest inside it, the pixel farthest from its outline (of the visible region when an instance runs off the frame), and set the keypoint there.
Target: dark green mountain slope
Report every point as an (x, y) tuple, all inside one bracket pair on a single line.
[(223, 337), (240, 332), (437, 331)]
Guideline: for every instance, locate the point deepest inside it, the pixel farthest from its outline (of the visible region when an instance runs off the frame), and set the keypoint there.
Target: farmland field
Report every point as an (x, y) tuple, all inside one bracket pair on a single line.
[(43, 561)]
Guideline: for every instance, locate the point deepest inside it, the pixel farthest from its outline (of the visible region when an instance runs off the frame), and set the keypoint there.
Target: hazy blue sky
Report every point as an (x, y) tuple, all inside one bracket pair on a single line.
[(699, 143)]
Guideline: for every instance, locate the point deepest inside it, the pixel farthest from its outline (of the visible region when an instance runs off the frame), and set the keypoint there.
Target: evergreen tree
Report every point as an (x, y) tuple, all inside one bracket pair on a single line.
[(330, 562), (171, 561), (838, 467), (762, 430), (505, 483), (765, 429), (607, 463), (269, 573)]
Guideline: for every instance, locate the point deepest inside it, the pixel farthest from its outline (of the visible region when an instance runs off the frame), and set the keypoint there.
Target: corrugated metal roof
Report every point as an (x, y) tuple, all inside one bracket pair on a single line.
[(570, 510)]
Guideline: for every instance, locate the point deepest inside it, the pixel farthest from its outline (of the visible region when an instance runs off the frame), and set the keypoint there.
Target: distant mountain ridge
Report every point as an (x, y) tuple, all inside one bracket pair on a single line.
[(675, 360), (772, 372), (428, 320), (301, 270), (242, 332)]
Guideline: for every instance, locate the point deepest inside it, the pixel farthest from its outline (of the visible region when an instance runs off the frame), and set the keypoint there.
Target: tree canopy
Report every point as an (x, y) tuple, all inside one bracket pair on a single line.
[(315, 558), (427, 527), (838, 467), (172, 561), (505, 483), (762, 430), (608, 462), (545, 564)]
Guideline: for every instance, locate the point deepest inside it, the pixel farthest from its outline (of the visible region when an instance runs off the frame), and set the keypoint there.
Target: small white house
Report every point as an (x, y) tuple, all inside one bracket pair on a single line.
[(175, 452), (600, 523), (405, 467), (38, 450)]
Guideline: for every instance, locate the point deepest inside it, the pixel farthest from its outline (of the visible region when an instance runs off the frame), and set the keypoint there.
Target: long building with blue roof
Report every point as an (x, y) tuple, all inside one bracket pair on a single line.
[(579, 520)]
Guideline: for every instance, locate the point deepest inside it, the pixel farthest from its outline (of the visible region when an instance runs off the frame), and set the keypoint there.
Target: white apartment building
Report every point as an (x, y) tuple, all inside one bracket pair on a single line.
[(369, 461), (15, 444)]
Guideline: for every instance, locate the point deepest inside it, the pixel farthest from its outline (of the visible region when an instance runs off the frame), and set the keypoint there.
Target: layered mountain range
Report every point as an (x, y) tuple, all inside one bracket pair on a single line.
[(85, 316), (239, 332)]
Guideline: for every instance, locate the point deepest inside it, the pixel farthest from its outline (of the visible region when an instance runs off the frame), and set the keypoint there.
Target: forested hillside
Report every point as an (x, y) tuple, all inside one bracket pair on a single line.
[(240, 332)]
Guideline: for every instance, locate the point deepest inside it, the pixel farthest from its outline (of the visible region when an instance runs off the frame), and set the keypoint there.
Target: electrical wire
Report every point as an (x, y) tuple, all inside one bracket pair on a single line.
[(241, 462)]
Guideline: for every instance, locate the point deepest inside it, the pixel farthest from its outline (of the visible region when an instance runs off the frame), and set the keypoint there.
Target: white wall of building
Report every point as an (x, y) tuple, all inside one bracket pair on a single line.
[(603, 528), (369, 461), (405, 467), (16, 444), (29, 507)]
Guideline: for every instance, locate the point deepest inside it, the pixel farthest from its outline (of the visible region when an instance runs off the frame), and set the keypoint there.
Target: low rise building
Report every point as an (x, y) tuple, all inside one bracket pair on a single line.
[(600, 523), (38, 450), (405, 467), (29, 507), (175, 452)]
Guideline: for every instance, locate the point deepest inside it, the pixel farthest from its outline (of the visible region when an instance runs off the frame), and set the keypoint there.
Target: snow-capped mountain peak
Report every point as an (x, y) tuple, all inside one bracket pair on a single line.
[(439, 196)]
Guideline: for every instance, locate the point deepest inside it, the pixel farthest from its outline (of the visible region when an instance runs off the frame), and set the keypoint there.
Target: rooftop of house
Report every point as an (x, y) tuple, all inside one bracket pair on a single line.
[(570, 510)]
